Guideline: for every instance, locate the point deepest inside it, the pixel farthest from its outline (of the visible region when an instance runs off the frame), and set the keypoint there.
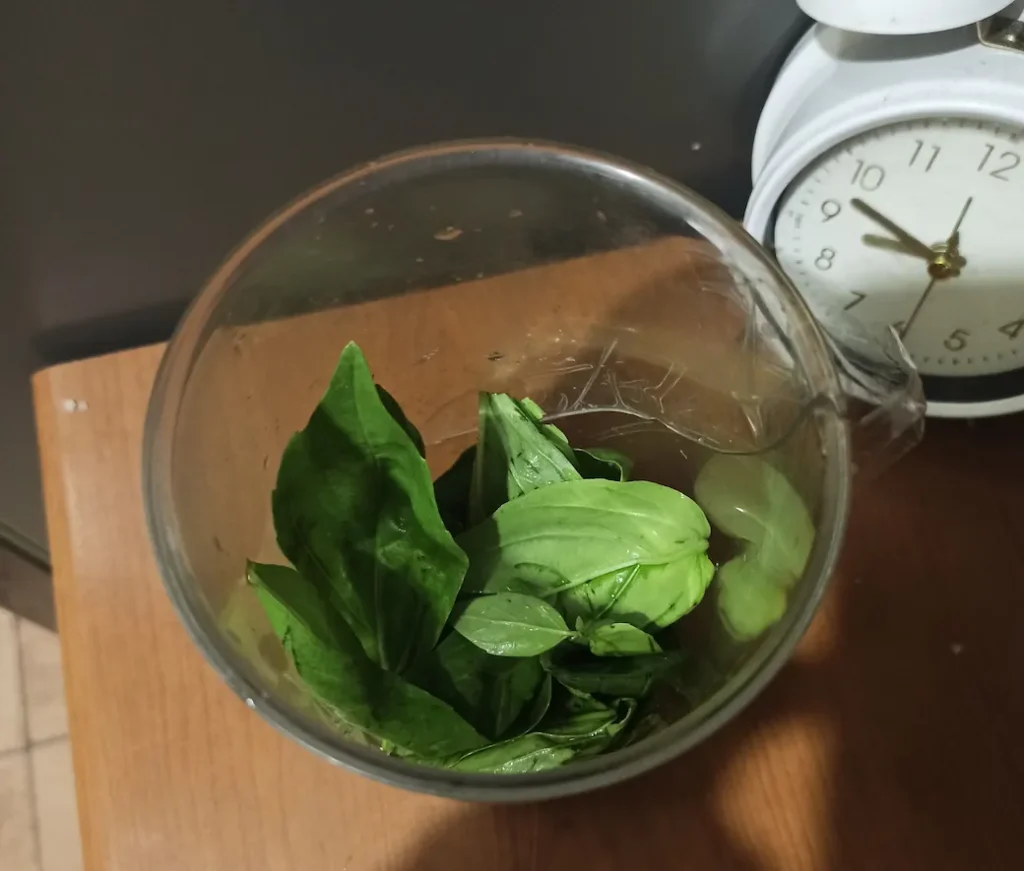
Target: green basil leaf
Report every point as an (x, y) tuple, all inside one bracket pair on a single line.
[(749, 499), (538, 708), (395, 410), (551, 432), (751, 596), (642, 543), (566, 733), (511, 624), (515, 454), (619, 639), (491, 692), (630, 677), (331, 662), (606, 463), (354, 512), (451, 491)]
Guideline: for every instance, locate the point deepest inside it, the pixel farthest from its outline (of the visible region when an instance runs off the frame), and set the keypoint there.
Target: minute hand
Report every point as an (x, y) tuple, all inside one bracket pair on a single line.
[(915, 246)]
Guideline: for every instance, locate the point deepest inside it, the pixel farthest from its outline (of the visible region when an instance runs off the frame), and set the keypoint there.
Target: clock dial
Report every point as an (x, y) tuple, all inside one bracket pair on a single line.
[(919, 225)]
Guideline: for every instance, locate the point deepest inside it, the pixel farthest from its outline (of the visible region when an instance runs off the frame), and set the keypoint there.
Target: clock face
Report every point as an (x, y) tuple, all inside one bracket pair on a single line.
[(920, 225)]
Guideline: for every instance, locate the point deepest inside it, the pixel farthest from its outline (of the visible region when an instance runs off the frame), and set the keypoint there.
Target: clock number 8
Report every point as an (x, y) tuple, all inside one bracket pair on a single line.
[(824, 259)]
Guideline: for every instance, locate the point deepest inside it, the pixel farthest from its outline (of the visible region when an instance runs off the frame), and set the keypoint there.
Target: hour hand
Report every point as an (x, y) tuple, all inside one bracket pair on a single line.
[(910, 243)]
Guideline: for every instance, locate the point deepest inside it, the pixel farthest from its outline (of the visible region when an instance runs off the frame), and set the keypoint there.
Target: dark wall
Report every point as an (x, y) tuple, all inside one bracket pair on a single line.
[(140, 141)]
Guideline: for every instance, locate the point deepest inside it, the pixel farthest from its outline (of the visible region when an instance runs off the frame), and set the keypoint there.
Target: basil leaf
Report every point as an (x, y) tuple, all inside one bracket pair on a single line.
[(515, 454), (451, 491), (333, 665), (511, 624), (619, 639), (581, 729), (643, 545), (751, 598), (630, 677), (531, 716), (749, 499), (491, 692), (395, 410), (354, 512), (606, 463)]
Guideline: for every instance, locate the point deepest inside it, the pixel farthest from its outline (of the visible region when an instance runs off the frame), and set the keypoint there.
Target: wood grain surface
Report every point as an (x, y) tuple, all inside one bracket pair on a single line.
[(891, 741)]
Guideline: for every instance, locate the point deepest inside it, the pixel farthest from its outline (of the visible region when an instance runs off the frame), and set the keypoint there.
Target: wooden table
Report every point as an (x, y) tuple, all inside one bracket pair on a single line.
[(891, 741)]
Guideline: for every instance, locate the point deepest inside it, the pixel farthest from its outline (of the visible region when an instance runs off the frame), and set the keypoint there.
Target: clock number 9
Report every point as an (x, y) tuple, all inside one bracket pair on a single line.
[(825, 259), (830, 209)]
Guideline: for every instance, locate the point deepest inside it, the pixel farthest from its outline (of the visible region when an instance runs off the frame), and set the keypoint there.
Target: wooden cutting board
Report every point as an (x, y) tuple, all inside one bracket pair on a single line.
[(891, 741)]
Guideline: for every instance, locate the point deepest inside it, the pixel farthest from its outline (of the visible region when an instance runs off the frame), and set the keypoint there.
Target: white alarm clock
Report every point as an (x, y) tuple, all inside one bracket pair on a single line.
[(889, 183)]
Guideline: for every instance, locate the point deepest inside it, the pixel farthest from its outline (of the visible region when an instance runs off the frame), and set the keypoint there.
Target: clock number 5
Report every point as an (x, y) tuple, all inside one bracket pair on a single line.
[(1008, 160), (956, 340)]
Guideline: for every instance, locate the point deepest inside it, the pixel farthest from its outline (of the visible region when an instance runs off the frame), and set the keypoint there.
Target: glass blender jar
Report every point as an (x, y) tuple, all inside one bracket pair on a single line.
[(636, 314)]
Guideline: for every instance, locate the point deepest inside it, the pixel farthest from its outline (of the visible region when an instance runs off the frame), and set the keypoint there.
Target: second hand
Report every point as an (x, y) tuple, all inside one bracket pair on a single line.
[(952, 244)]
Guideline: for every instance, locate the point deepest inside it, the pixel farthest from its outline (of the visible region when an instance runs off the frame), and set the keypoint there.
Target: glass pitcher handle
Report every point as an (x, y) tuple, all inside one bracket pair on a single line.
[(884, 402)]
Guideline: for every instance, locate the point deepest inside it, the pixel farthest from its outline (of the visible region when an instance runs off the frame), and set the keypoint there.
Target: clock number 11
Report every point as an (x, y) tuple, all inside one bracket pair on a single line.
[(928, 155)]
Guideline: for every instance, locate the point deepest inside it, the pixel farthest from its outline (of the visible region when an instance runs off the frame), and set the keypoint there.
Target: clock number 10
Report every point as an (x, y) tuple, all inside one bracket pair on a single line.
[(868, 176)]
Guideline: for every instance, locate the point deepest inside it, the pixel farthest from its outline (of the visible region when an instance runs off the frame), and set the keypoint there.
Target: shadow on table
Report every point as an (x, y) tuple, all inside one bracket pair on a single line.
[(910, 678)]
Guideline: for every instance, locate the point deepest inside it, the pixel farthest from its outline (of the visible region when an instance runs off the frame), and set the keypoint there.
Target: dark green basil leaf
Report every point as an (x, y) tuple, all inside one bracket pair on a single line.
[(606, 463), (515, 454), (749, 499), (451, 491), (619, 639), (630, 677), (751, 596), (577, 729), (333, 665), (510, 624), (491, 692), (538, 708), (641, 544), (354, 512), (395, 410)]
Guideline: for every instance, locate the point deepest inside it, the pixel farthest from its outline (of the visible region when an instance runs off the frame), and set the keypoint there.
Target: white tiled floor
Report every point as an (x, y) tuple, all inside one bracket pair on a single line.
[(38, 817)]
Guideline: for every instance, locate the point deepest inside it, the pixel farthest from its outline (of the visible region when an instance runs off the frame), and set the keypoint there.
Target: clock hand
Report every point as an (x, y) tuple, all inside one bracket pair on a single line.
[(913, 245), (872, 240), (917, 308), (939, 267)]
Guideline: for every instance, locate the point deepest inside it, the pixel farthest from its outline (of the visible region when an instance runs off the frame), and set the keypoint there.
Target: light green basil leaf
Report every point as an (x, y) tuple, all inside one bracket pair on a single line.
[(645, 544), (490, 692), (331, 662), (511, 624), (553, 433), (749, 499), (451, 491), (515, 454), (751, 596), (630, 677), (619, 639), (582, 729), (354, 512), (605, 463)]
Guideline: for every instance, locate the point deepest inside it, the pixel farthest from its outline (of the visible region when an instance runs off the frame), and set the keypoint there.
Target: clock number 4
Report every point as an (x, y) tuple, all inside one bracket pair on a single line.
[(1008, 160), (1012, 329), (927, 154)]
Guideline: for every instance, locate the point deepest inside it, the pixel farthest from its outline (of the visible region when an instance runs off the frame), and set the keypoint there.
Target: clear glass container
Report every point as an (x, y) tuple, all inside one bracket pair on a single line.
[(634, 312)]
